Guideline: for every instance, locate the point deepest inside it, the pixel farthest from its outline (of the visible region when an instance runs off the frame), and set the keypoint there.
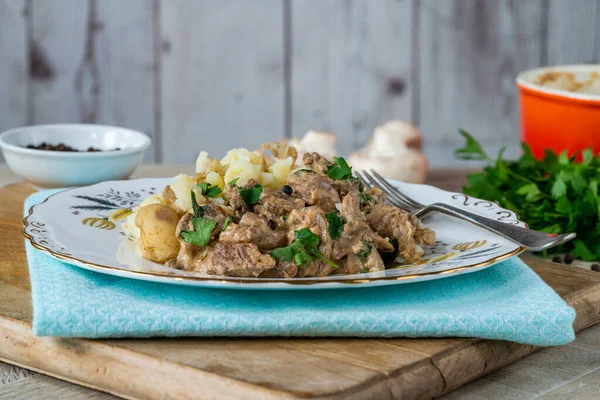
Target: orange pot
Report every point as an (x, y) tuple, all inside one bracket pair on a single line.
[(557, 119)]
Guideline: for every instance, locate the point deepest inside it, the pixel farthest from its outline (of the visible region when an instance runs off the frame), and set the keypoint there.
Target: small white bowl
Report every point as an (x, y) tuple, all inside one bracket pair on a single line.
[(47, 168)]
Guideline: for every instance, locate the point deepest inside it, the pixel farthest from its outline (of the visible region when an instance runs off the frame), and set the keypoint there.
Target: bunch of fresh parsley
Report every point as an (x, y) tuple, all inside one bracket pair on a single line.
[(554, 195)]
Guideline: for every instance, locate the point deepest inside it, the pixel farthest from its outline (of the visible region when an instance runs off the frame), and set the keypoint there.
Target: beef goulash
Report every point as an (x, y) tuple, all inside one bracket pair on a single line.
[(252, 214)]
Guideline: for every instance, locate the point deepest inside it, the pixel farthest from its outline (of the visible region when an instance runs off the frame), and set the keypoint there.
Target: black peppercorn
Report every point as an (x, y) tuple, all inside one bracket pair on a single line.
[(287, 189), (596, 267), (569, 257), (557, 259), (272, 225)]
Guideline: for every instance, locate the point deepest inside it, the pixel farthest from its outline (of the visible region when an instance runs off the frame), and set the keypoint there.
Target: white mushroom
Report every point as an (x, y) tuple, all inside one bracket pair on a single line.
[(395, 152), (321, 142)]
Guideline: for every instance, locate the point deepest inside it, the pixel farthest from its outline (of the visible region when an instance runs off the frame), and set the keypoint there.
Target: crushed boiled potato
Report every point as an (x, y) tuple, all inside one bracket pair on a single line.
[(270, 172)]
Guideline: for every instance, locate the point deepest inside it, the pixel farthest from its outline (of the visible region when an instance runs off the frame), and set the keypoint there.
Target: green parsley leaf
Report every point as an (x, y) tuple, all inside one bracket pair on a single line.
[(339, 169), (302, 250), (472, 149), (198, 210), (303, 170), (208, 190), (226, 223), (202, 233), (364, 252), (336, 226), (233, 182), (251, 195)]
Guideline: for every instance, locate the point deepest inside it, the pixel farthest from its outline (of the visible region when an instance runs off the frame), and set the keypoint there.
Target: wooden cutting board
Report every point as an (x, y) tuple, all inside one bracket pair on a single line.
[(257, 368)]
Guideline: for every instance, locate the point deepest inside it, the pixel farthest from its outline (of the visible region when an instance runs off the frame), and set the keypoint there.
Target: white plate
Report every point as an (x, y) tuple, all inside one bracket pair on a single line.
[(82, 227)]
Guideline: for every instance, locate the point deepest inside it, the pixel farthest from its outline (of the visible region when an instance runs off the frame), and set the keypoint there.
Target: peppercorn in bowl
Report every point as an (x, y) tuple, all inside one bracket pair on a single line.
[(65, 155)]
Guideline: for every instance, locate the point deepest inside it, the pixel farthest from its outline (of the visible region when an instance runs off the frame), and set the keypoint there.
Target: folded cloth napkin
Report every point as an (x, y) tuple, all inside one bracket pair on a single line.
[(507, 301)]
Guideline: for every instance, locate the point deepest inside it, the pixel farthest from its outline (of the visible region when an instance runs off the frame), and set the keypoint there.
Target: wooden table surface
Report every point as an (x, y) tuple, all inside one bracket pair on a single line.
[(554, 373)]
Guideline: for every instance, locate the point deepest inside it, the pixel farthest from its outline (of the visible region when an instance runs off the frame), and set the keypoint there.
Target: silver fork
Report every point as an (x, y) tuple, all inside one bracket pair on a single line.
[(526, 238)]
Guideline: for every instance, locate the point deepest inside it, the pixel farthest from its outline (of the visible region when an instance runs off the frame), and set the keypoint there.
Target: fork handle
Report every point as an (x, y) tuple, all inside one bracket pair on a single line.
[(526, 238)]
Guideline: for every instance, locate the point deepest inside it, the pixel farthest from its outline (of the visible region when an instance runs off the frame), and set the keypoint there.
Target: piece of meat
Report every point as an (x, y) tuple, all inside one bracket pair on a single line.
[(215, 212), (283, 269), (316, 162), (370, 198), (274, 204), (190, 257), (373, 262), (367, 259), (255, 229), (229, 259), (389, 221), (355, 232), (315, 189), (350, 265), (424, 235), (314, 219), (351, 207), (238, 259), (345, 186), (238, 206)]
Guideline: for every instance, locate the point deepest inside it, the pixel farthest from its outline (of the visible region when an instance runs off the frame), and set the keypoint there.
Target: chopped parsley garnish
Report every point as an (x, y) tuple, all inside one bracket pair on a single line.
[(301, 171), (339, 169), (203, 227), (302, 250), (365, 250), (226, 223), (251, 195), (198, 210), (202, 233), (233, 182), (365, 199), (284, 219), (208, 190), (336, 226)]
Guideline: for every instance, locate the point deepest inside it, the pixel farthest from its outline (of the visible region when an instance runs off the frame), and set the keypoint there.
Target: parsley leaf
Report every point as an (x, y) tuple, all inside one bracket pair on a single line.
[(203, 228), (339, 169), (208, 190), (364, 252), (302, 250), (233, 182), (472, 149), (198, 210), (251, 195), (226, 223), (554, 193), (336, 226)]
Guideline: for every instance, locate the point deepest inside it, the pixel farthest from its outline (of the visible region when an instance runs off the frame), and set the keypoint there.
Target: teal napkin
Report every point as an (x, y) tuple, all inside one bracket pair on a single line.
[(507, 301)]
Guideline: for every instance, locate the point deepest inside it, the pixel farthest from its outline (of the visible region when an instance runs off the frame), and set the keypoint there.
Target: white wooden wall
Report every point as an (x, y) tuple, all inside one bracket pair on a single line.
[(212, 74)]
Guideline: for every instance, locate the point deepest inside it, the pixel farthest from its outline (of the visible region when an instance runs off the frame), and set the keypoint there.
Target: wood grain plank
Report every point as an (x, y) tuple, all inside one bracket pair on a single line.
[(350, 67), (100, 61), (222, 76), (13, 68), (264, 363), (44, 387), (10, 373), (573, 32), (471, 52), (125, 60), (58, 39), (585, 387)]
